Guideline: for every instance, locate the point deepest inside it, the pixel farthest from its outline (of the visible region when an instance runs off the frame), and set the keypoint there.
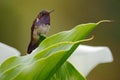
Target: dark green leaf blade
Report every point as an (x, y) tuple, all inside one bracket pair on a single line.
[(67, 72)]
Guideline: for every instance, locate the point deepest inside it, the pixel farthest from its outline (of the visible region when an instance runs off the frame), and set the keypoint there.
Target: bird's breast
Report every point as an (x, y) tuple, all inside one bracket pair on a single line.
[(43, 29), (40, 30)]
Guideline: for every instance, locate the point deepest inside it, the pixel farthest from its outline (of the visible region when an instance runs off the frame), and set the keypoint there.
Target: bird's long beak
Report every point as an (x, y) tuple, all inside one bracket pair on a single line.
[(51, 11)]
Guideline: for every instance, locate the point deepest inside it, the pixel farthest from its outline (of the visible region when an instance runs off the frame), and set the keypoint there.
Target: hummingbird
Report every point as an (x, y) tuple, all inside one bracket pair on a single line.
[(39, 28)]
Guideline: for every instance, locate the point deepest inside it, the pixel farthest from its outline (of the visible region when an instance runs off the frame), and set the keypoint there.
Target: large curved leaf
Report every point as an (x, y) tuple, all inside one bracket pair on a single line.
[(77, 33), (51, 54)]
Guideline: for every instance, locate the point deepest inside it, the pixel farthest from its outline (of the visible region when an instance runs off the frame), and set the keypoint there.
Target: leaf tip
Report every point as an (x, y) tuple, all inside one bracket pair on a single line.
[(84, 40), (104, 21)]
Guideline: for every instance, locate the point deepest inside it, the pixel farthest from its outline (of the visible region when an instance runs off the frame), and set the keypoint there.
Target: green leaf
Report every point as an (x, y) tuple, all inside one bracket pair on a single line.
[(45, 68), (48, 58), (67, 72), (33, 62), (29, 58), (77, 33)]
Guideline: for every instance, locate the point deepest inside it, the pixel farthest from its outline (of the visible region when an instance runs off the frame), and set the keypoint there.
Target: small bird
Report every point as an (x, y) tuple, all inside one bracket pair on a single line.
[(39, 28)]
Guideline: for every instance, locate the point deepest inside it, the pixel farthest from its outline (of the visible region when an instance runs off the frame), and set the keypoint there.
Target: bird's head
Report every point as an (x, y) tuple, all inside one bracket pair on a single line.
[(44, 17)]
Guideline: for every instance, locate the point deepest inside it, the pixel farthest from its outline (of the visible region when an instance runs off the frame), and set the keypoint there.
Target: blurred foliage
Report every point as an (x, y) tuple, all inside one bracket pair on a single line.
[(16, 18)]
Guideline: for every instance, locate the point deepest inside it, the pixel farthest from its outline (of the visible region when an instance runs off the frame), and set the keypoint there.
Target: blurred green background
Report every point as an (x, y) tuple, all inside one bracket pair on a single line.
[(16, 17)]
